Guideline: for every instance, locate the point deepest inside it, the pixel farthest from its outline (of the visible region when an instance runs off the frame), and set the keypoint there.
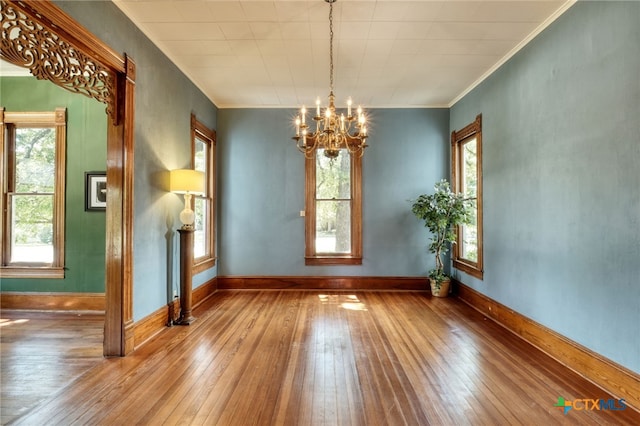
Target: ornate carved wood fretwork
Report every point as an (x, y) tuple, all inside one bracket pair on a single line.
[(27, 43)]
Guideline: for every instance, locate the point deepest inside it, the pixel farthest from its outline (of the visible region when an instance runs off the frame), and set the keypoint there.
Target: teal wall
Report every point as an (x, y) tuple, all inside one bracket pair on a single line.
[(261, 192), (164, 101), (561, 141), (86, 151)]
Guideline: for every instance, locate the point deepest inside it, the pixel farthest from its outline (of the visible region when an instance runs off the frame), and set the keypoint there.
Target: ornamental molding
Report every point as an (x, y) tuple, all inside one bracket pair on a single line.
[(28, 43)]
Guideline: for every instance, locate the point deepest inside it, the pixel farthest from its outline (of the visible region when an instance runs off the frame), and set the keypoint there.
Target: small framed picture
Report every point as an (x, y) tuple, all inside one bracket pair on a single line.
[(95, 191)]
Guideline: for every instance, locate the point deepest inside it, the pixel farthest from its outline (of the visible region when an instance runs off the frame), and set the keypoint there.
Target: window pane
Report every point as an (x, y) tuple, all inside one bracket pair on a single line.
[(32, 224), (35, 160), (469, 249), (200, 155), (200, 204), (470, 169), (200, 227), (333, 226), (333, 176), (470, 238)]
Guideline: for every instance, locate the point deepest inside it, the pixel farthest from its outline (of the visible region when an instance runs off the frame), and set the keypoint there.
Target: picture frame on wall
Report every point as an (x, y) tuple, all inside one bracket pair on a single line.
[(95, 191)]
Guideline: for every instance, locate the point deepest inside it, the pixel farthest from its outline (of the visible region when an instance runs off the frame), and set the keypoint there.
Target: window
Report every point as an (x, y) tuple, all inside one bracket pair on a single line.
[(333, 211), (203, 148), (32, 167), (466, 148)]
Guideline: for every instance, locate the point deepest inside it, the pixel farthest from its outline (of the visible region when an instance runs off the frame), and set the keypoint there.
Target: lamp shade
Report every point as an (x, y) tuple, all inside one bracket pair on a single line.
[(186, 180)]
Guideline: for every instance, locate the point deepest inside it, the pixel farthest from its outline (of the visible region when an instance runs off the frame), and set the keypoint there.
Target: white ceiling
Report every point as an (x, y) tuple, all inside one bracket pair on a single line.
[(10, 70), (387, 53)]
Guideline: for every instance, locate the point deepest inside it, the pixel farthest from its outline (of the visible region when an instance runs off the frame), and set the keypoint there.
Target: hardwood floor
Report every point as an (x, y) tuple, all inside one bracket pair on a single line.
[(328, 358), (40, 353)]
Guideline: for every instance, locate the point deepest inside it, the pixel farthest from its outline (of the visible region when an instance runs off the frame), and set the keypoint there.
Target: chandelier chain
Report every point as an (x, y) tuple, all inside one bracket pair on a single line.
[(334, 130), (331, 46)]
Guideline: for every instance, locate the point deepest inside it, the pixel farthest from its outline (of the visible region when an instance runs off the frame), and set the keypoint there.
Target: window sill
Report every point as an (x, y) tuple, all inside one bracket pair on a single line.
[(333, 260), (203, 264), (470, 269), (31, 272)]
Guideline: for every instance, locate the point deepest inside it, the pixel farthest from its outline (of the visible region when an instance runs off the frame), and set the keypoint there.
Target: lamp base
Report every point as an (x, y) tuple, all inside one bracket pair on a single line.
[(187, 215), (185, 321)]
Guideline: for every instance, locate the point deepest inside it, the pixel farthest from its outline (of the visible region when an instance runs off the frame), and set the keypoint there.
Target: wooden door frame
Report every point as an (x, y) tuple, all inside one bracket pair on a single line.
[(109, 78)]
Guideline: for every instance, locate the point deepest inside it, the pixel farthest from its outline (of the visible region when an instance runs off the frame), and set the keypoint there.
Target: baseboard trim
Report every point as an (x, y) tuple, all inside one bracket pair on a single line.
[(322, 283), (203, 292), (51, 301), (604, 373), (149, 326), (154, 323)]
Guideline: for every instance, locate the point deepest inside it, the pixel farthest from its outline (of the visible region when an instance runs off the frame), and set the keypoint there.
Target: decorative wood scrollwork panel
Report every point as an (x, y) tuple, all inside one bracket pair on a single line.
[(27, 43)]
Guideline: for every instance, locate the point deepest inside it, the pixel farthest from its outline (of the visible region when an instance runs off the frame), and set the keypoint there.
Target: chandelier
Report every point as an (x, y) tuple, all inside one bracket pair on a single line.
[(333, 132)]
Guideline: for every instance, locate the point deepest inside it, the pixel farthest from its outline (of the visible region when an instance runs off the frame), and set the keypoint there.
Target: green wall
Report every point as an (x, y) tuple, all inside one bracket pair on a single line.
[(86, 151), (561, 148)]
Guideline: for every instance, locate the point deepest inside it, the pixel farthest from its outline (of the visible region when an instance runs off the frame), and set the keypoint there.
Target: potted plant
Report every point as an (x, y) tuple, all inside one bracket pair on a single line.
[(441, 212)]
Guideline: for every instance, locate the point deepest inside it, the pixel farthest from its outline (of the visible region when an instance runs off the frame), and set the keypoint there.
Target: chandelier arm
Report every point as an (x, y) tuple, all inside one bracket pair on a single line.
[(355, 145), (312, 143), (309, 153)]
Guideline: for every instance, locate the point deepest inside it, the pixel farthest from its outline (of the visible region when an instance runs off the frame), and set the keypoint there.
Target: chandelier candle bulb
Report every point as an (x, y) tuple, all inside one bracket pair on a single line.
[(318, 107), (342, 122), (298, 125), (349, 107), (303, 112)]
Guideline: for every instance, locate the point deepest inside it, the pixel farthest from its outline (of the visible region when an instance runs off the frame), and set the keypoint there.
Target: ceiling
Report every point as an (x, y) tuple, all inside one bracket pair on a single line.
[(387, 53), (10, 70)]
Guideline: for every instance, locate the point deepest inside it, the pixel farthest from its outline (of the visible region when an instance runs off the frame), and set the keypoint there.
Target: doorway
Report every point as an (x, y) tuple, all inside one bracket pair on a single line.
[(100, 73)]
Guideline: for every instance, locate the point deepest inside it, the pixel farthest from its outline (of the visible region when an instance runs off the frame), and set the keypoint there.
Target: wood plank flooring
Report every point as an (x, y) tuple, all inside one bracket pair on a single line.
[(328, 358), (40, 353)]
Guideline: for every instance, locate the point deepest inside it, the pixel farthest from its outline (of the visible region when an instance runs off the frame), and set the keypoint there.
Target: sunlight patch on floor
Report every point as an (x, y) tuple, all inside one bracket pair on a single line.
[(5, 321), (350, 302)]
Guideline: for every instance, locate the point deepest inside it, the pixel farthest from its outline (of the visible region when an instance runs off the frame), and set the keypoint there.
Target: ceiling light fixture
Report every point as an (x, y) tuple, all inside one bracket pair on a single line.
[(332, 131)]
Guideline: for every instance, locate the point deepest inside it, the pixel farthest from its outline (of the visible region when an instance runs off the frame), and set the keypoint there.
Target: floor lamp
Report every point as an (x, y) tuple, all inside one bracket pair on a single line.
[(187, 182)]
